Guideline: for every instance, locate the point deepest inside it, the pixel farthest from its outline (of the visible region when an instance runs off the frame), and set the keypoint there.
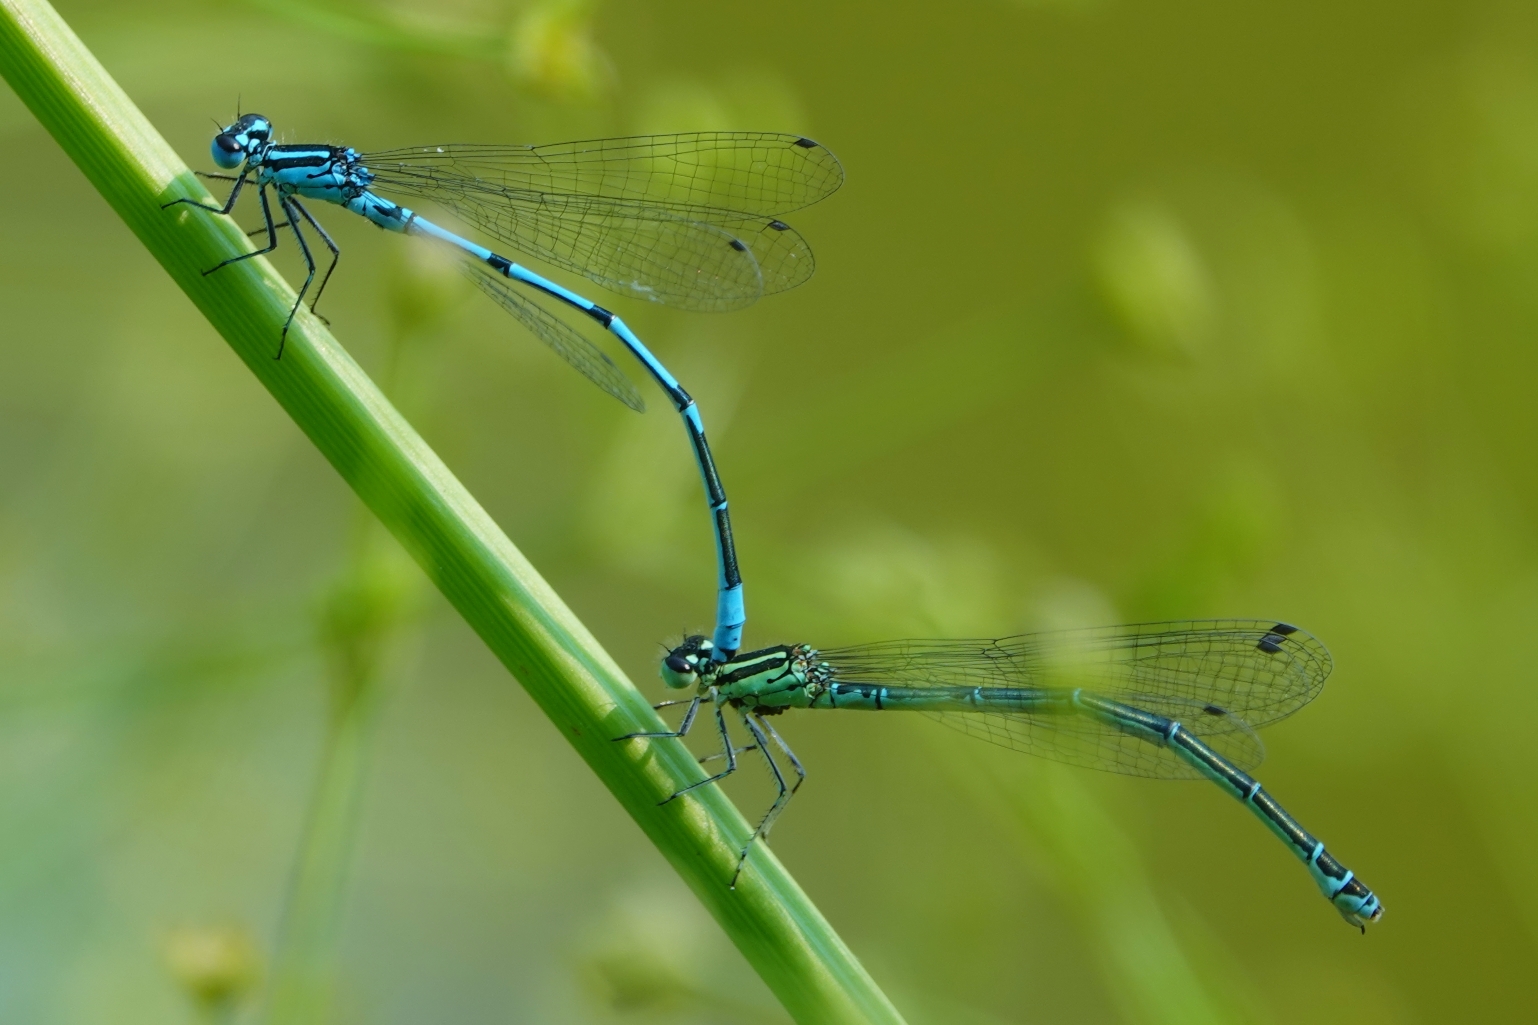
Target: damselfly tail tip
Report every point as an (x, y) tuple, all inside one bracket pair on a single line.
[(1367, 914)]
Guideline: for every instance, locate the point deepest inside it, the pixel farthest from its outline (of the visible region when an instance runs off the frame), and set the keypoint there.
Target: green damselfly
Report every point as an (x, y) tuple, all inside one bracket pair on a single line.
[(1178, 700)]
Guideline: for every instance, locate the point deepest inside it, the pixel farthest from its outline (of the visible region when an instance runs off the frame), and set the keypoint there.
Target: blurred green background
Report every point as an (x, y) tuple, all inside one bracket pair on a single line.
[(1126, 312)]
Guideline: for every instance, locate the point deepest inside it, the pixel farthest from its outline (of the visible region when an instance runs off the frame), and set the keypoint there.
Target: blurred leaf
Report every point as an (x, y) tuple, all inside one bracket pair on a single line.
[(1154, 279), (552, 52), (1230, 534), (745, 100), (392, 27)]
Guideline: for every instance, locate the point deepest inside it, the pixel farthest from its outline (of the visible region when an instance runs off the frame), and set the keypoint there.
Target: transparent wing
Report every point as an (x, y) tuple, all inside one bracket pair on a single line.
[(1079, 740), (783, 257), (1258, 669), (684, 220), (752, 174), (571, 346), (1219, 678), (689, 265)]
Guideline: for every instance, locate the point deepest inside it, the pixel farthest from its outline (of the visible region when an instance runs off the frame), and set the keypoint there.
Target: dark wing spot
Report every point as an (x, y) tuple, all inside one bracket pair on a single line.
[(1284, 629), (1270, 644), (806, 144), (779, 225), (739, 245), (1214, 710)]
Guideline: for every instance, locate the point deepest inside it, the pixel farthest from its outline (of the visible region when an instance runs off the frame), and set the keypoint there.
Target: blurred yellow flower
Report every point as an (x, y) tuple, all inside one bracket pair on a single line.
[(216, 964)]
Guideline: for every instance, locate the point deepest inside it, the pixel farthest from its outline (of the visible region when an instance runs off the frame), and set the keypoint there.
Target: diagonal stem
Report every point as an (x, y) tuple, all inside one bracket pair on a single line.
[(463, 552)]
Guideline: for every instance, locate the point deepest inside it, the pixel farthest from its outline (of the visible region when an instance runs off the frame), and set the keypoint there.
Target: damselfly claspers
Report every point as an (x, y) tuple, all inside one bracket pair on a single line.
[(1170, 700), (690, 220)]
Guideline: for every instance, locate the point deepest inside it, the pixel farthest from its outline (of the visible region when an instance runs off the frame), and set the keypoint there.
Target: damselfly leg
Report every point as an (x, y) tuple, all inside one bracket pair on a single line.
[(229, 203), (684, 724), (702, 759), (727, 750), (336, 254), (758, 726)]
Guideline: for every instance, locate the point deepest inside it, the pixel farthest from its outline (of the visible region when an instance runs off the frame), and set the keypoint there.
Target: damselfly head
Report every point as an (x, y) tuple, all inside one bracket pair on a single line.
[(681, 667), (249, 134)]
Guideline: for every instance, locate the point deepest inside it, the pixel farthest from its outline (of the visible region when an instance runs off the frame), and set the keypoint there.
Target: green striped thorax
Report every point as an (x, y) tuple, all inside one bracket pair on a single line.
[(784, 676)]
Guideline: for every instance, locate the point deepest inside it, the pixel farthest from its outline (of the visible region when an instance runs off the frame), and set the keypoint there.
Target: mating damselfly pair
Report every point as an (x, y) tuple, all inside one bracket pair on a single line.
[(693, 221)]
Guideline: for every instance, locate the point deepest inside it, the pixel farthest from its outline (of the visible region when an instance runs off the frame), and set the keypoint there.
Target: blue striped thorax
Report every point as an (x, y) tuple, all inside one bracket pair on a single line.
[(332, 174), (329, 173)]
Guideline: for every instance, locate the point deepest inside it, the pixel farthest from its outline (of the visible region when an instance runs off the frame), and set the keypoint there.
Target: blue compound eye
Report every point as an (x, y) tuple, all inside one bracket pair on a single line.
[(227, 150)]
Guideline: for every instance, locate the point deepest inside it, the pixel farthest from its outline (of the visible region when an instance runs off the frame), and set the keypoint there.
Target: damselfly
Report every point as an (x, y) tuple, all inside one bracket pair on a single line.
[(1168, 700), (691, 221)]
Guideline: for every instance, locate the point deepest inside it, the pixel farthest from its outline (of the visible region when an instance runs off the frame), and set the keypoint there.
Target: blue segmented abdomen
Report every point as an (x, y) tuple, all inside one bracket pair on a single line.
[(1355, 902), (731, 611), (1358, 904)]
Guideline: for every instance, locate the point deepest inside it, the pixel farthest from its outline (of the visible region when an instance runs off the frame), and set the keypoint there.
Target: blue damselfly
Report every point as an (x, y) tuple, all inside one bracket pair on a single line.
[(689, 220)]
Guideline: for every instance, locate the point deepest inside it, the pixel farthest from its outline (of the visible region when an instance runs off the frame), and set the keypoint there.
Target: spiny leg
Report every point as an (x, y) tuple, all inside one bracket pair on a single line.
[(795, 763), (756, 726), (683, 727), (272, 239), (229, 204), (726, 747), (240, 180), (270, 228), (309, 262), (702, 759), (336, 254)]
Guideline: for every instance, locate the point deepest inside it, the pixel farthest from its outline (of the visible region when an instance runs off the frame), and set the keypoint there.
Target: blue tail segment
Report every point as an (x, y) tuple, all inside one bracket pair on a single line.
[(731, 610)]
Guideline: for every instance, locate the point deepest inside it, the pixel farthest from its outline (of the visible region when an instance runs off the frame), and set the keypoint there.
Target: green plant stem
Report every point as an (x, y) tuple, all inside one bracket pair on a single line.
[(365, 622), (304, 960), (463, 552)]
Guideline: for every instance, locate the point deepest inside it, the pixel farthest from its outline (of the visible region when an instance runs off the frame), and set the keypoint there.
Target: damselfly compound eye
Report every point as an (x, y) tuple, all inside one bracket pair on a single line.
[(227, 151)]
